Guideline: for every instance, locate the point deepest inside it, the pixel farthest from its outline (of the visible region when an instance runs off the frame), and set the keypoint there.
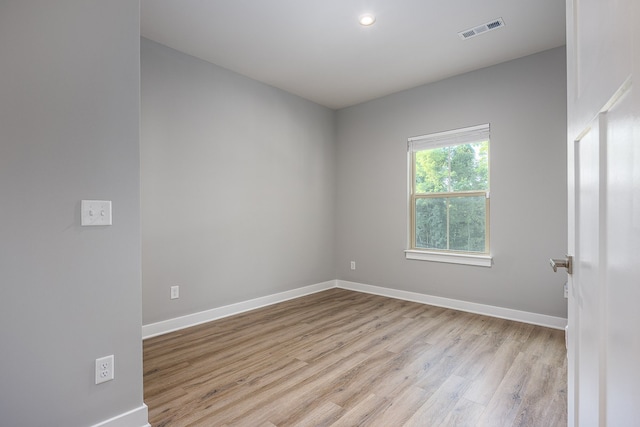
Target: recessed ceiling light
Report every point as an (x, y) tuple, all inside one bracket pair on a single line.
[(367, 19)]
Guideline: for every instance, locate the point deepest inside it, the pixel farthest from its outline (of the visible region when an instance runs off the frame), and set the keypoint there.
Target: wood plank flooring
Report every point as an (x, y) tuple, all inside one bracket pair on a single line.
[(343, 358)]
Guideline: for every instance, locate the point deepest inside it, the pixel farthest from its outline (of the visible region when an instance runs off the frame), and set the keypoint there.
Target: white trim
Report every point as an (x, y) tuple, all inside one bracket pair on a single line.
[(138, 417), (471, 307), (469, 135), (177, 323), (170, 325), (453, 258)]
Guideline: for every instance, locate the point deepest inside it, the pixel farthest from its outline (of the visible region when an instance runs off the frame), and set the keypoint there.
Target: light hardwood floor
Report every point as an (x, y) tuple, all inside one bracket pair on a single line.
[(343, 358)]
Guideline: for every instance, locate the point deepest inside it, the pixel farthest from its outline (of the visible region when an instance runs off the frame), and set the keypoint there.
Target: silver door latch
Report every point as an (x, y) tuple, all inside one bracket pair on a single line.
[(562, 263)]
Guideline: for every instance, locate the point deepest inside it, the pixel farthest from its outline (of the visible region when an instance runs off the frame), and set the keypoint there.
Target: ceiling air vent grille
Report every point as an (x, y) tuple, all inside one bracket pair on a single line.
[(472, 32)]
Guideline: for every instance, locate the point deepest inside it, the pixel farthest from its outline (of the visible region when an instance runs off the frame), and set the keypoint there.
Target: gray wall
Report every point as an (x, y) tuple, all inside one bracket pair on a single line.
[(69, 126), (238, 186), (525, 102)]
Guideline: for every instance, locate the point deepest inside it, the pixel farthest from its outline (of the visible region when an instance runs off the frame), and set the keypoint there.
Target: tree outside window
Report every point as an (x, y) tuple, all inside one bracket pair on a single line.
[(450, 191)]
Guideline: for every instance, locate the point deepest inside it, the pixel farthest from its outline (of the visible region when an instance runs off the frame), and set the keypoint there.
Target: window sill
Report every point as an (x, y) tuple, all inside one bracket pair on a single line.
[(453, 258)]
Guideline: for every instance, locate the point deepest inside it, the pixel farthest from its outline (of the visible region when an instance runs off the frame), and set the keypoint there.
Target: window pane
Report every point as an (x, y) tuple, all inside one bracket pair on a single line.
[(431, 223), (451, 223), (432, 171), (467, 223), (462, 167)]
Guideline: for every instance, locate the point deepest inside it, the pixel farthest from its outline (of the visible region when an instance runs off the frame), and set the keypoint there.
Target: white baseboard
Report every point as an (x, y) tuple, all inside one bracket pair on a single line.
[(175, 324), (471, 307), (138, 417), (170, 325)]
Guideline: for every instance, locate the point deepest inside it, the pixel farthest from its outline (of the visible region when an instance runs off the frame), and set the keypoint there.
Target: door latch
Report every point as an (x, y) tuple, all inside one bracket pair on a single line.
[(562, 263)]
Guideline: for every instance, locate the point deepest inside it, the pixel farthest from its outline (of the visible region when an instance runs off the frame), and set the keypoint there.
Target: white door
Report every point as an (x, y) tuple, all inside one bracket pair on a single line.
[(603, 54)]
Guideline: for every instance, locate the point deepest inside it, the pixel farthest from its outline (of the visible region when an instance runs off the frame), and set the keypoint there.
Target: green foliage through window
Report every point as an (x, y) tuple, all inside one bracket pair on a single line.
[(449, 199)]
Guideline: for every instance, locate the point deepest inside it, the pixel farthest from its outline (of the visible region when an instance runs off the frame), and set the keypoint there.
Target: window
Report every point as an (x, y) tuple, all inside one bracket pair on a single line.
[(449, 196)]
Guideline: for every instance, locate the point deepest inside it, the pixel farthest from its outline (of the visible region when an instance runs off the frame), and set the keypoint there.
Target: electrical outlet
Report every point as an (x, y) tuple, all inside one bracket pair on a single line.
[(353, 265), (104, 369), (175, 292)]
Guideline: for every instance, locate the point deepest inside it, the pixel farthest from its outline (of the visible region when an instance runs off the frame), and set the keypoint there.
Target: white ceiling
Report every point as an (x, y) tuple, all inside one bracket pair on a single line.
[(319, 51)]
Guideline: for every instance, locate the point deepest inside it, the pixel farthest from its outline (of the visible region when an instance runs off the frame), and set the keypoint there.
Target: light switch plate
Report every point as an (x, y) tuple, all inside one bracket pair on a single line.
[(95, 212)]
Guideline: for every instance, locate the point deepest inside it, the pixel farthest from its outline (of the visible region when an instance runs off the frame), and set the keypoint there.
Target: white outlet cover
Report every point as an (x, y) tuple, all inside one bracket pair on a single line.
[(95, 212), (104, 369)]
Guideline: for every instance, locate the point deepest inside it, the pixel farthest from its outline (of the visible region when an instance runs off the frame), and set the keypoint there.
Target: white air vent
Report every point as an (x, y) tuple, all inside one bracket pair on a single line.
[(472, 32)]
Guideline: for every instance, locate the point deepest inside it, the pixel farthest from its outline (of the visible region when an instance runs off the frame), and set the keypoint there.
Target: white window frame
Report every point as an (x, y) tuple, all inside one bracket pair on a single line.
[(437, 140)]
